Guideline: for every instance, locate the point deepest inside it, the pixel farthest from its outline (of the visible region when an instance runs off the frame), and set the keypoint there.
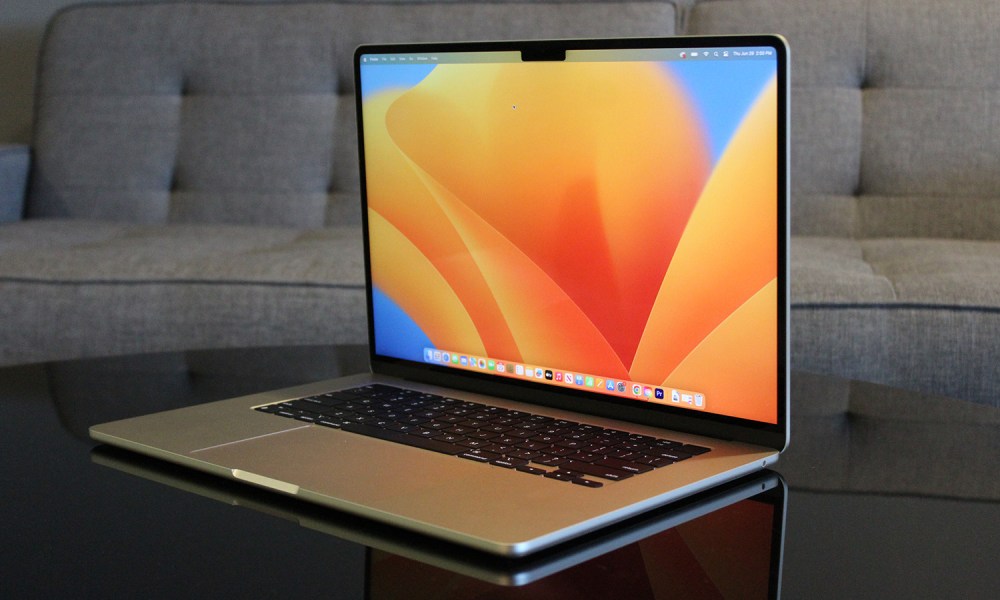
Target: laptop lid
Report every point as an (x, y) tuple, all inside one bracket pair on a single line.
[(597, 225)]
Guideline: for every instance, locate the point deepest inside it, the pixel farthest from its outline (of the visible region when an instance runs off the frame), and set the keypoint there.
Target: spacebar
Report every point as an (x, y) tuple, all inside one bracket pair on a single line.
[(403, 438)]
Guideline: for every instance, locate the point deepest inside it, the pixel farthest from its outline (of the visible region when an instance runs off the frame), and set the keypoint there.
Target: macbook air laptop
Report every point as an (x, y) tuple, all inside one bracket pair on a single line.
[(577, 294)]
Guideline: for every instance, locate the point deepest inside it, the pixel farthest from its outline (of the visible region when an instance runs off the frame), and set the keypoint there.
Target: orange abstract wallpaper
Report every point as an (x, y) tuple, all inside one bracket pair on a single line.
[(588, 217)]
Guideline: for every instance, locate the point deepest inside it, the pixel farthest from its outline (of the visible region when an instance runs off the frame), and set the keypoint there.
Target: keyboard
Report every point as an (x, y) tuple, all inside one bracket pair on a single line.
[(562, 450)]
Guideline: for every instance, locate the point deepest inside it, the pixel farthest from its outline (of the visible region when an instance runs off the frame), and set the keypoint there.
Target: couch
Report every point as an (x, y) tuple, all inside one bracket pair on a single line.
[(192, 180)]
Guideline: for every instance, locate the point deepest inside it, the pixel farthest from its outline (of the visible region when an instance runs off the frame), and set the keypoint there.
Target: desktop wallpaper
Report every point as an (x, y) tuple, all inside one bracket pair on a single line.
[(612, 218)]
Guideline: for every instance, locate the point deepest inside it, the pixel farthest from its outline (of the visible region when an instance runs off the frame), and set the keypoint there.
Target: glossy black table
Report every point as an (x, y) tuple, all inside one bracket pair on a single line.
[(883, 494)]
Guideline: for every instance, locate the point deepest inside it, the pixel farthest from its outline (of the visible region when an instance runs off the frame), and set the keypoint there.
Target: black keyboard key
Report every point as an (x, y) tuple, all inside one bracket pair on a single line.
[(500, 448), (473, 443), (624, 465), (655, 461), (585, 457), (666, 444), (423, 432), (572, 444), (334, 410), (404, 438), (602, 471), (309, 404), (460, 430), (400, 427), (587, 483), (484, 453), (525, 454), (626, 454), (498, 428), (674, 455), (427, 414), (474, 457), (481, 454), (562, 475), (453, 419), (531, 470), (529, 445), (633, 446), (521, 433), (693, 450), (557, 451), (508, 462), (529, 425)]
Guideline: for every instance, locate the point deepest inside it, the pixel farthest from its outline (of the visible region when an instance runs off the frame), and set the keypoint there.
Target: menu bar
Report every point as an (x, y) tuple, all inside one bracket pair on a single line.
[(583, 55)]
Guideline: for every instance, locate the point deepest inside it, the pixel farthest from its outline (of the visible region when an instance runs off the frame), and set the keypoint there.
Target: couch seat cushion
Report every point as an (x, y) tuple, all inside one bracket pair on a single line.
[(171, 287), (962, 273), (916, 313)]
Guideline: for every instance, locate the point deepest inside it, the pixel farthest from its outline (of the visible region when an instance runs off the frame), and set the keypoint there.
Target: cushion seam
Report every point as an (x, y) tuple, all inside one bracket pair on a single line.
[(895, 307)]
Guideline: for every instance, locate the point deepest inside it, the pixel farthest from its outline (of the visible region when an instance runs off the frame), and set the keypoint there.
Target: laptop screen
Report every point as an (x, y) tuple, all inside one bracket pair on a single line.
[(605, 220)]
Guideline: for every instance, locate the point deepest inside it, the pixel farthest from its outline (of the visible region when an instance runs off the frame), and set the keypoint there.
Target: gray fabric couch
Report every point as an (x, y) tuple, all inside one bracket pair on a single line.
[(193, 182)]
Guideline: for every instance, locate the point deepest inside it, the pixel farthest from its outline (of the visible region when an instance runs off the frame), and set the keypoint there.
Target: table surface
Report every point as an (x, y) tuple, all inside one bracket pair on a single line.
[(883, 493)]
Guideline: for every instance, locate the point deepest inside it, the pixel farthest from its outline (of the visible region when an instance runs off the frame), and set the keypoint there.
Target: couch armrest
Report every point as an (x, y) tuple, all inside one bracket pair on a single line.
[(15, 160)]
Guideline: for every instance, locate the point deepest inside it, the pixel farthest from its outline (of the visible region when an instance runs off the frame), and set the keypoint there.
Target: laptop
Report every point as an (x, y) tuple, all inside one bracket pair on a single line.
[(577, 295)]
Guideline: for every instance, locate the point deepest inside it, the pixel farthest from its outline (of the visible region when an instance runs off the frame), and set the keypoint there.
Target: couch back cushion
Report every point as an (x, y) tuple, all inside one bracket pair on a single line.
[(242, 113), (895, 111)]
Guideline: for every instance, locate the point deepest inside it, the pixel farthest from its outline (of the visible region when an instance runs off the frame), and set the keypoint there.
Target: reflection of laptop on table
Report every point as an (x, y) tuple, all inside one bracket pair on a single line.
[(727, 542), (577, 294)]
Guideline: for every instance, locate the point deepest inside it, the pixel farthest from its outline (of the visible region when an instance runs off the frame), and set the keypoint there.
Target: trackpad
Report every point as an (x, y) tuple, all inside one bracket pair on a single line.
[(338, 465)]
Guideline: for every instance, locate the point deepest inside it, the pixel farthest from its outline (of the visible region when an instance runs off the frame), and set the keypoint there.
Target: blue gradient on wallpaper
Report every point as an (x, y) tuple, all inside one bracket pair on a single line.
[(381, 77), (722, 110), (395, 332)]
